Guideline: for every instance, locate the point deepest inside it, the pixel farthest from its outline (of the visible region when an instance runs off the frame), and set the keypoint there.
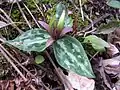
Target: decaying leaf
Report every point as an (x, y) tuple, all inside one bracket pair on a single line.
[(113, 61), (108, 28), (80, 82), (117, 84), (112, 66), (112, 50), (3, 24)]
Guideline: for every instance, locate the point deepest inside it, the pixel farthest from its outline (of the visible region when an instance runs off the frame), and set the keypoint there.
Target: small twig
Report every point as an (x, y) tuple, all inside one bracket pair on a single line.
[(68, 84), (31, 15), (57, 71), (11, 9), (3, 18), (23, 15), (22, 66), (10, 61), (89, 32), (38, 8), (86, 16), (94, 55), (10, 24), (53, 65), (2, 40), (14, 58), (94, 22), (14, 66), (10, 20), (16, 61), (74, 4), (81, 10)]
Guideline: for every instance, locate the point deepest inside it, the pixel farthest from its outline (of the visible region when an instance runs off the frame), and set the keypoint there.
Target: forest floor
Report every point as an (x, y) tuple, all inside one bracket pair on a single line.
[(18, 69)]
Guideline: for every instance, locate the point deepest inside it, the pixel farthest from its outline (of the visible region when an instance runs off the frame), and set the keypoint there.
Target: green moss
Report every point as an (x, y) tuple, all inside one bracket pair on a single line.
[(15, 14), (50, 13), (82, 23), (48, 1), (30, 4)]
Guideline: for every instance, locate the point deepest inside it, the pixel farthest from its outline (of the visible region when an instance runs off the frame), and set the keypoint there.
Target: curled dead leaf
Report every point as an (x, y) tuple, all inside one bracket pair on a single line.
[(115, 61), (112, 50), (3, 24), (80, 82)]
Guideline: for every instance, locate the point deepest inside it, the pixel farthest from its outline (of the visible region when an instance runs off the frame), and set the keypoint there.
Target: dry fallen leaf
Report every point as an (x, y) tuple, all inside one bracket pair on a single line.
[(3, 24), (80, 82), (115, 61), (112, 67), (112, 50), (117, 84)]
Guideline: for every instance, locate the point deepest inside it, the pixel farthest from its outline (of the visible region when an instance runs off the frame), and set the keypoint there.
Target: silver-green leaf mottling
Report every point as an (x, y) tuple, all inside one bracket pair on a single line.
[(31, 40), (71, 56)]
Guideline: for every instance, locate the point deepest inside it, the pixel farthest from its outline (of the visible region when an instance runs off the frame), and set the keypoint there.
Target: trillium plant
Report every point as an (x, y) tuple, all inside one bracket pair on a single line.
[(68, 51)]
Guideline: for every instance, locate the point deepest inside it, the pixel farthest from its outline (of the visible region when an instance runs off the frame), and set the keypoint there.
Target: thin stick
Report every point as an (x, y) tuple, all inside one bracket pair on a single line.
[(94, 55), (74, 4), (10, 61), (17, 61), (59, 74), (38, 8), (10, 24), (93, 23), (53, 64), (11, 9), (1, 39), (14, 66), (10, 20), (23, 15), (31, 15), (81, 10), (3, 18), (21, 65)]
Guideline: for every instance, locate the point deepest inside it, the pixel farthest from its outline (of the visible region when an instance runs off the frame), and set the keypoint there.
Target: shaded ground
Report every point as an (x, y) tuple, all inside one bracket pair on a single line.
[(45, 75)]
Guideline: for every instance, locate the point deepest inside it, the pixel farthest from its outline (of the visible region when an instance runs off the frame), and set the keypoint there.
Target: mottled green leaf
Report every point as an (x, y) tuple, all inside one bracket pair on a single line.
[(96, 42), (114, 3), (39, 59), (31, 40), (61, 21), (68, 20), (59, 9), (71, 56)]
